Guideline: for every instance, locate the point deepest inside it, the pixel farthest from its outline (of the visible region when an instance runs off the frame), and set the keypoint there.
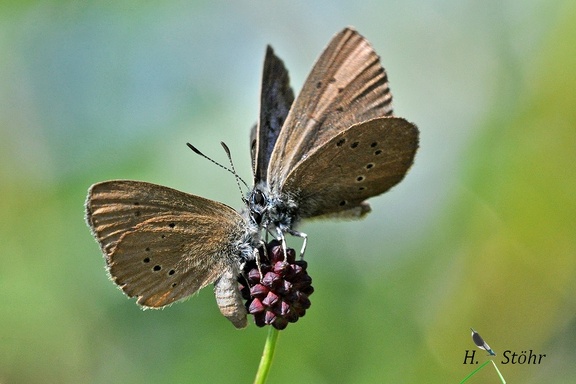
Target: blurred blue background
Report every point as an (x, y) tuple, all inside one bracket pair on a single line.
[(481, 233)]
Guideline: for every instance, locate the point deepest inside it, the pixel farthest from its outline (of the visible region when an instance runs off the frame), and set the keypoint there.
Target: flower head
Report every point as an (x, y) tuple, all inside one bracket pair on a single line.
[(277, 292)]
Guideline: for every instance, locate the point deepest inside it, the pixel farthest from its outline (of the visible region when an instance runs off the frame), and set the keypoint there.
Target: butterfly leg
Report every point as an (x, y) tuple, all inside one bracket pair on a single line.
[(282, 240), (257, 257), (304, 241)]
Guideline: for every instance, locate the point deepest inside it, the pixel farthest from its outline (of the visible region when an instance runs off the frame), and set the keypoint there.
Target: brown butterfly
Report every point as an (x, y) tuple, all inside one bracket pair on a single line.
[(162, 245), (333, 147), (322, 154)]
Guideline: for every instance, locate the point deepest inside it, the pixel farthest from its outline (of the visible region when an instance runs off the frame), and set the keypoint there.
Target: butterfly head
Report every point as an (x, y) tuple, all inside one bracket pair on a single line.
[(272, 209), (258, 204)]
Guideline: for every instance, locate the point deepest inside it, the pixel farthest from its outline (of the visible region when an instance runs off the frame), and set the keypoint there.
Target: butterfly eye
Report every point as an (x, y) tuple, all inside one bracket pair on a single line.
[(257, 217), (259, 197), (258, 200)]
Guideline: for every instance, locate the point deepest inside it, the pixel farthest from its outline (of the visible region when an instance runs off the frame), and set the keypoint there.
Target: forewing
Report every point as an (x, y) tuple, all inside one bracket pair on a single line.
[(114, 207), (346, 86), (276, 97), (362, 161), (169, 257)]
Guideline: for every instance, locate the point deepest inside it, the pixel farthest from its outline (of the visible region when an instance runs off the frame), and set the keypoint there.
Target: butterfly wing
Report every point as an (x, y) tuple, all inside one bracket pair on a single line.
[(113, 207), (161, 245), (170, 257), (276, 97), (362, 161), (346, 86)]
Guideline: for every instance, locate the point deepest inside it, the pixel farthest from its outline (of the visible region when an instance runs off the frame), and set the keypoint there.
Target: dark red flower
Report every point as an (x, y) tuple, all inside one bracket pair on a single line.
[(277, 293)]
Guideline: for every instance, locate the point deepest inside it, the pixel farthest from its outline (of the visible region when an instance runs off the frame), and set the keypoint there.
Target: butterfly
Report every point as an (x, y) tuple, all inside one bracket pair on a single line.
[(162, 245), (321, 154), (334, 146)]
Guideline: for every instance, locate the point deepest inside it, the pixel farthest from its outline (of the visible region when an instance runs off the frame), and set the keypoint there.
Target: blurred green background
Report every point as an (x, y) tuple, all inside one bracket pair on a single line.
[(481, 233)]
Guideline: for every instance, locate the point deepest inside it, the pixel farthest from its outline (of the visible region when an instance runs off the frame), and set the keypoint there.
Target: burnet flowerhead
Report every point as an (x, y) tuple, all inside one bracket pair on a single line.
[(277, 290)]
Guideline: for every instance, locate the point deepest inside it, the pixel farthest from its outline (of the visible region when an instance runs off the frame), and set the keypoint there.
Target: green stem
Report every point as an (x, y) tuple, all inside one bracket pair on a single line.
[(482, 366), (499, 374), (475, 371), (267, 356)]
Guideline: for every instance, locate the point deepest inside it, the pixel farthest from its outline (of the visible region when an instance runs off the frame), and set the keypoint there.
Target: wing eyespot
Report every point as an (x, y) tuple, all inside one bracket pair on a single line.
[(146, 260), (343, 203), (360, 179), (137, 213), (378, 152), (354, 144), (157, 268), (374, 144), (340, 142), (369, 166)]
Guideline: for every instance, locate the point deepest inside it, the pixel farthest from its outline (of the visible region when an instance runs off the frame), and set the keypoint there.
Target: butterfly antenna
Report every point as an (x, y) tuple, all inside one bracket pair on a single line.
[(232, 171), (197, 151), (238, 178)]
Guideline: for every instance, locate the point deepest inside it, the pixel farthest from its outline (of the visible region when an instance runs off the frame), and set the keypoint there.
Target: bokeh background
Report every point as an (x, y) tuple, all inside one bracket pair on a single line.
[(481, 233)]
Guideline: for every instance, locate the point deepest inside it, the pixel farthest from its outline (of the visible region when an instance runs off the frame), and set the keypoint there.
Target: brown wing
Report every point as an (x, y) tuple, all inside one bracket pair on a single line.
[(161, 244), (346, 86), (171, 257), (362, 161), (276, 97), (113, 207)]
